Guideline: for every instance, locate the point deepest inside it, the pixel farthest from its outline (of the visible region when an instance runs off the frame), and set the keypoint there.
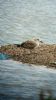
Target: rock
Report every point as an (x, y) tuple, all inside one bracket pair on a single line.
[(32, 51), (52, 64)]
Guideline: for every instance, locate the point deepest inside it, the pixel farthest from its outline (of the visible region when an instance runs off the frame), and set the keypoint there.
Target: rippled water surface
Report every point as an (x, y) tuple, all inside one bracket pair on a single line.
[(24, 19), (25, 81), (21, 20)]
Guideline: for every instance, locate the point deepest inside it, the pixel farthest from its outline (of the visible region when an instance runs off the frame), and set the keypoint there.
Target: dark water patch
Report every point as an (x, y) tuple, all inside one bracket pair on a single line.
[(6, 97), (13, 97), (4, 56)]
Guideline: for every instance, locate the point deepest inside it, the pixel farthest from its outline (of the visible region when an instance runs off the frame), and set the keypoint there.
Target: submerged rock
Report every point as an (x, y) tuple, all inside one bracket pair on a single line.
[(32, 52)]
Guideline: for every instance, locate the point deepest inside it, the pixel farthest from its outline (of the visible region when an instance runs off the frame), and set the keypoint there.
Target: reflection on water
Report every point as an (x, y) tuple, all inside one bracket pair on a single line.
[(23, 81)]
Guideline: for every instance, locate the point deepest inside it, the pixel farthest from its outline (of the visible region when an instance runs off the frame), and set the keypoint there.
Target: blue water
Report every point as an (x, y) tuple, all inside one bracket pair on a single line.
[(4, 56), (21, 20)]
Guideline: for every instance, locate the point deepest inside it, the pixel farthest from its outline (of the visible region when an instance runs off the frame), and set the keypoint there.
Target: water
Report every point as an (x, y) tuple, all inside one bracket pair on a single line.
[(25, 81), (21, 20), (4, 56)]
